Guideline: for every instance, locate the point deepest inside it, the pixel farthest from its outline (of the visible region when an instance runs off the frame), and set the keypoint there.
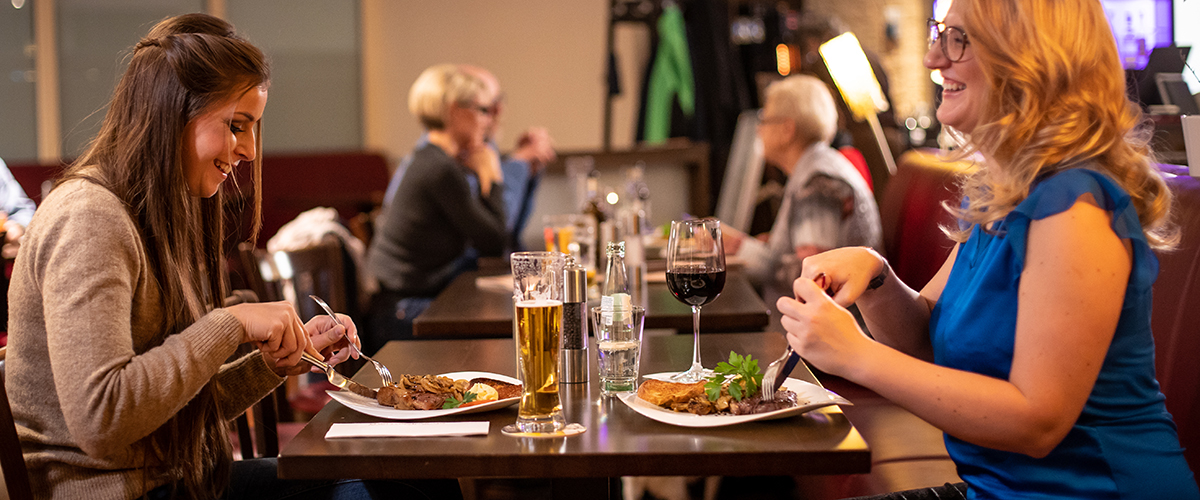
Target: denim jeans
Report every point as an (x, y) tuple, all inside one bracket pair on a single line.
[(258, 479)]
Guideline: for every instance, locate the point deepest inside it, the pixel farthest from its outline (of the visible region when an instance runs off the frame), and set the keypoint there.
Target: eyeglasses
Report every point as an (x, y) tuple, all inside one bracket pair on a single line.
[(954, 40), (491, 111)]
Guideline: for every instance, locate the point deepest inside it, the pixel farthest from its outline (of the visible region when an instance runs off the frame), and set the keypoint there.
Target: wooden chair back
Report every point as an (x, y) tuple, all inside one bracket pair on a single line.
[(12, 461), (323, 270)]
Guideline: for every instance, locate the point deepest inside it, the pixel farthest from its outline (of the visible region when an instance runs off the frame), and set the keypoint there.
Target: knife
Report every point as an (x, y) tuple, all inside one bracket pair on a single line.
[(788, 365), (337, 379)]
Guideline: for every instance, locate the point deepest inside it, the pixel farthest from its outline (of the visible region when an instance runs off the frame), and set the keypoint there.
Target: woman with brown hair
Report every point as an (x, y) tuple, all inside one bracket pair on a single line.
[(117, 367), (1031, 348)]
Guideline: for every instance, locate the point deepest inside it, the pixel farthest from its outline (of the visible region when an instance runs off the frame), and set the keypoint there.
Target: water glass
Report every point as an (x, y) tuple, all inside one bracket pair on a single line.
[(619, 338), (537, 331)]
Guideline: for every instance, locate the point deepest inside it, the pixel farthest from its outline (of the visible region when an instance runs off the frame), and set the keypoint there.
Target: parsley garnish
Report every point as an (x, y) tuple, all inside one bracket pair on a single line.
[(452, 402), (742, 373)]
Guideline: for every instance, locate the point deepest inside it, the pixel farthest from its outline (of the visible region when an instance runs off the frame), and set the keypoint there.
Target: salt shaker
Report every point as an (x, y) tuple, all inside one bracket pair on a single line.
[(574, 367)]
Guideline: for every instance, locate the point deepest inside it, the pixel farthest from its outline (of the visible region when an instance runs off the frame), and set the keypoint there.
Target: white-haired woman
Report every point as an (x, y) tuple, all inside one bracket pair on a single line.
[(438, 211), (827, 202)]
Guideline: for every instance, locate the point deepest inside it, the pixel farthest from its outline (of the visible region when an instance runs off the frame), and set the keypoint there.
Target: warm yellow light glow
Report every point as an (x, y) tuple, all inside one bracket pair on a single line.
[(783, 59), (612, 198), (853, 76), (936, 76)]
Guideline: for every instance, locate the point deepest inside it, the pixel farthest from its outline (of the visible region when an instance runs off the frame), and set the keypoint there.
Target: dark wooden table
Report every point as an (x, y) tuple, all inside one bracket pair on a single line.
[(618, 441), (466, 310)]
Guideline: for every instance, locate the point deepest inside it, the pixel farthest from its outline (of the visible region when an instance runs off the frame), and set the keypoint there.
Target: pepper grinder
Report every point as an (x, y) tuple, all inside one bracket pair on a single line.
[(574, 367)]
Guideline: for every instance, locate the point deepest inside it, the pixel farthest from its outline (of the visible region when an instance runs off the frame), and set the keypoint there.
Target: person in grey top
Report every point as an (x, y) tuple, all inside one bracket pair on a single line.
[(827, 203)]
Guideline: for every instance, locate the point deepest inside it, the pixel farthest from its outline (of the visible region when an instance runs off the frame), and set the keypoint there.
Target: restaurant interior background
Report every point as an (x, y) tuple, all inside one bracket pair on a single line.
[(342, 68)]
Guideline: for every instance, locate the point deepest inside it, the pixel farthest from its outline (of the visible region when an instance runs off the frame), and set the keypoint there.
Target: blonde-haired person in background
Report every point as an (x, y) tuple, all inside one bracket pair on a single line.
[(826, 203), (450, 199), (1031, 347)]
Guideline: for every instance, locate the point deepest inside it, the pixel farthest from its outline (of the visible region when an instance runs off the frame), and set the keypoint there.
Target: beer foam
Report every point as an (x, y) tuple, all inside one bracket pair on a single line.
[(539, 303)]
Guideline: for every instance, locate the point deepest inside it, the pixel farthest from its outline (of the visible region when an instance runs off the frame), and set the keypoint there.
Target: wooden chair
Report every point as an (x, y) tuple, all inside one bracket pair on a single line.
[(16, 476), (324, 270)]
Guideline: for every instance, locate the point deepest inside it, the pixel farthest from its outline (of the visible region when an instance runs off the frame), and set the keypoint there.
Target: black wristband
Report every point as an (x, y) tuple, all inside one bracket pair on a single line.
[(877, 281)]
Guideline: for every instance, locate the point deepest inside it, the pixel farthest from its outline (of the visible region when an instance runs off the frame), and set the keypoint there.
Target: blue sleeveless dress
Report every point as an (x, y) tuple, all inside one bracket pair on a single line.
[(1124, 444)]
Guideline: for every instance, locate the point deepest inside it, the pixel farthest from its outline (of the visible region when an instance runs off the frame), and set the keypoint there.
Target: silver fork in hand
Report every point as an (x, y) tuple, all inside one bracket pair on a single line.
[(384, 374)]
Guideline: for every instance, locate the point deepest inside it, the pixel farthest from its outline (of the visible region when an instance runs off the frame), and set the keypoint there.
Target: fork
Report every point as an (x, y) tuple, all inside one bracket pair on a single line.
[(384, 374), (782, 366)]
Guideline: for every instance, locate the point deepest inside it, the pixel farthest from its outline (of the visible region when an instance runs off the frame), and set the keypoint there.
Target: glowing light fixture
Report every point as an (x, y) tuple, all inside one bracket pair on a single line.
[(856, 82), (783, 59)]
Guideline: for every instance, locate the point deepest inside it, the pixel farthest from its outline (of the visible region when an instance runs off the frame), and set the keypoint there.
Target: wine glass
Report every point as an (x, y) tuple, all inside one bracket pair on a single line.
[(696, 276)]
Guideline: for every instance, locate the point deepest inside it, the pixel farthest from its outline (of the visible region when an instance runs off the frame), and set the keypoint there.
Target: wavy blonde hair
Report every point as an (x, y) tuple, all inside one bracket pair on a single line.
[(1056, 100)]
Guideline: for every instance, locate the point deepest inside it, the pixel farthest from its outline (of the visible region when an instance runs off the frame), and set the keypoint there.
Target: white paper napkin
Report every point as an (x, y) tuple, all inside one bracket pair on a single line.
[(407, 429)]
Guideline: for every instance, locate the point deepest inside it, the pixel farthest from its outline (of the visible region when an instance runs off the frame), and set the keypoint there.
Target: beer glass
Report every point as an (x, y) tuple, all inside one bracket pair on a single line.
[(537, 303)]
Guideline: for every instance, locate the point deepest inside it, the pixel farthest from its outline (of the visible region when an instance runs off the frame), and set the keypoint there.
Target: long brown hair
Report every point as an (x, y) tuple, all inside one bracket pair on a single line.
[(185, 65), (1056, 100)]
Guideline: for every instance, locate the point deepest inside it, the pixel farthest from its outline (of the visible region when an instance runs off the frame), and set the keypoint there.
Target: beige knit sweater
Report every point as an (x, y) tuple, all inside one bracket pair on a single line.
[(85, 385)]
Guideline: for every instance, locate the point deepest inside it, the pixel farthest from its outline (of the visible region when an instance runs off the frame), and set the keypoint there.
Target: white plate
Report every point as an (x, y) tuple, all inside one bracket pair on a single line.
[(808, 397), (363, 404)]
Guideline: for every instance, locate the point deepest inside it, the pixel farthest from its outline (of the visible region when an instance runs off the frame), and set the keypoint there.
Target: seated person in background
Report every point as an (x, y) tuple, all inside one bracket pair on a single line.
[(826, 202), (521, 168), (437, 213), (1032, 347), (16, 209)]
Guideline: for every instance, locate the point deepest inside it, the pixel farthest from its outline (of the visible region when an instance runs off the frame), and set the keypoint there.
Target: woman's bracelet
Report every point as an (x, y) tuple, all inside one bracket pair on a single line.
[(877, 281)]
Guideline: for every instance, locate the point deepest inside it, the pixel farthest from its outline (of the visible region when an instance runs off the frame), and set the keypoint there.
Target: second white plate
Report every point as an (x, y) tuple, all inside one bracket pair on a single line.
[(808, 397), (372, 407)]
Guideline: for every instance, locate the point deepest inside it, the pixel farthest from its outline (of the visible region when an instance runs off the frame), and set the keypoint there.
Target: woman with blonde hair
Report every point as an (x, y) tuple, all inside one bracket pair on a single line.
[(1031, 348), (118, 364), (450, 199)]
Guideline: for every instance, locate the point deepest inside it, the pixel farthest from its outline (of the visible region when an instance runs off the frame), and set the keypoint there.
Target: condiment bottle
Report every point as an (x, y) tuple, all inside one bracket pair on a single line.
[(574, 359)]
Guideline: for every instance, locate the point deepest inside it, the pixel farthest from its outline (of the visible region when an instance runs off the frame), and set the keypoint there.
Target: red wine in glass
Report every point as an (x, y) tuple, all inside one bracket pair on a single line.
[(696, 276), (695, 286)]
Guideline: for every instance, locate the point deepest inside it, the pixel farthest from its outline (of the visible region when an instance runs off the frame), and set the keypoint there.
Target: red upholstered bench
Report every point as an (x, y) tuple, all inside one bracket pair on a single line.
[(1176, 316)]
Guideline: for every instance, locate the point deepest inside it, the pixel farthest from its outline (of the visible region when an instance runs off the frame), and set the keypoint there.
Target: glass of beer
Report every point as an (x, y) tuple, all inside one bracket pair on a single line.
[(537, 302)]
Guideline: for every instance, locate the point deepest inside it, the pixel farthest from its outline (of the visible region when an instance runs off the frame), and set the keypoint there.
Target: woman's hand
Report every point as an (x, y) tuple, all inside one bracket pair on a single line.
[(847, 270), (536, 148), (820, 330), (276, 330), (486, 164), (333, 340)]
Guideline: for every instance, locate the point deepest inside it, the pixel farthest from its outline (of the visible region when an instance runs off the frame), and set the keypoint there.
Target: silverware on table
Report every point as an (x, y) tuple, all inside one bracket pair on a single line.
[(384, 373), (337, 379), (777, 372)]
